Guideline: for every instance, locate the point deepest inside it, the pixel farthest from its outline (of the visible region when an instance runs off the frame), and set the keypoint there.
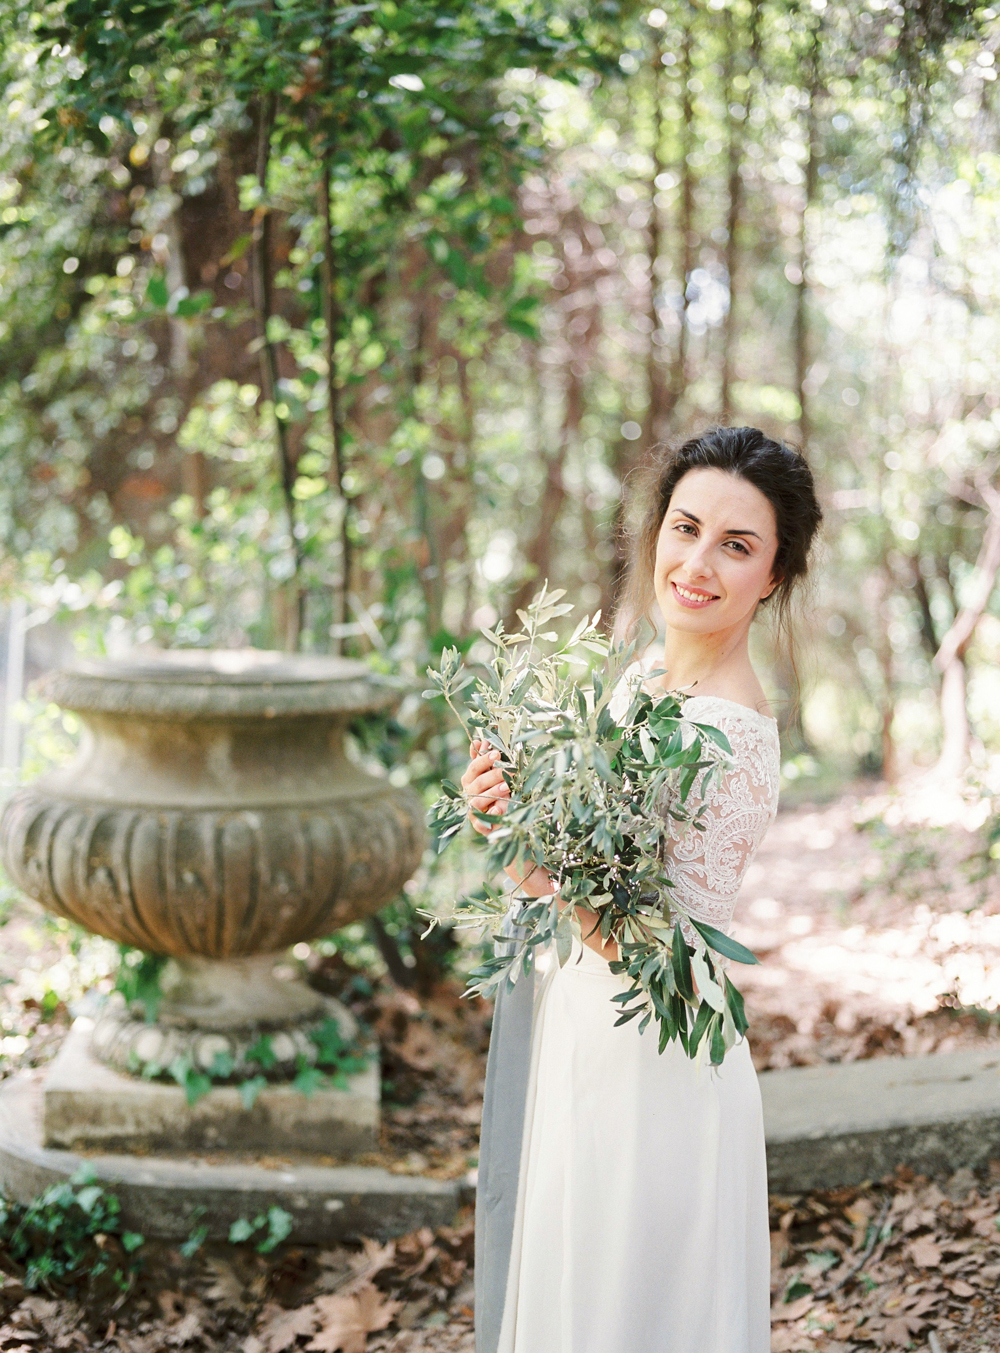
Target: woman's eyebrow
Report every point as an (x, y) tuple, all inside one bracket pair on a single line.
[(732, 532)]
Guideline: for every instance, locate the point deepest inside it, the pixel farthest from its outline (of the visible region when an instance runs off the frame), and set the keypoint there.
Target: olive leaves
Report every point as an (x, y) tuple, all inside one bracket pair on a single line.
[(592, 796)]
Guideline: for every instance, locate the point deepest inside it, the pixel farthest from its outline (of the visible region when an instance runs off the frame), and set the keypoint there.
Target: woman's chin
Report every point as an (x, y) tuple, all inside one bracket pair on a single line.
[(705, 618)]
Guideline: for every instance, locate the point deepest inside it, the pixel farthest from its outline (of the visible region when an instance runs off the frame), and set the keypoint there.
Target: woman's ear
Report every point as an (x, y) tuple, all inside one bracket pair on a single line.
[(775, 582)]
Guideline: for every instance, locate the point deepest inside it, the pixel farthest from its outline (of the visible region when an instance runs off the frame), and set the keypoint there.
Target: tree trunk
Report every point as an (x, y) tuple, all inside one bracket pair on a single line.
[(539, 554), (928, 633), (809, 193), (468, 405), (658, 393), (950, 657), (428, 560), (687, 240), (264, 304), (735, 194), (194, 474), (955, 729), (331, 316)]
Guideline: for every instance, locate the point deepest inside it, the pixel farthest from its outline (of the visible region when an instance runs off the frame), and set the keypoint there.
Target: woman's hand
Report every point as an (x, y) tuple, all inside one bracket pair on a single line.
[(485, 786), (487, 790)]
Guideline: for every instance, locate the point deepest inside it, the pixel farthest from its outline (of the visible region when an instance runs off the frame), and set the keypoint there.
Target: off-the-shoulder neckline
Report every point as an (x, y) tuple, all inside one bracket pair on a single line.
[(722, 699), (745, 709)]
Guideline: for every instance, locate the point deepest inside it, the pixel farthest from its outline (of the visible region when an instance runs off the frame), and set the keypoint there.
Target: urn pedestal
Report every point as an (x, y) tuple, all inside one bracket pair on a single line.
[(212, 815)]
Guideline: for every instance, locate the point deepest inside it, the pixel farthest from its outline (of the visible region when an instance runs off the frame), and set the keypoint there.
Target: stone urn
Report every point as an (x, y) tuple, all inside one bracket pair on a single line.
[(212, 815)]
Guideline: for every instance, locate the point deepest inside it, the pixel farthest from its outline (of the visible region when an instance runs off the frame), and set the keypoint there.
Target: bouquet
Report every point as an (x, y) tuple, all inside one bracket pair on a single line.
[(590, 798)]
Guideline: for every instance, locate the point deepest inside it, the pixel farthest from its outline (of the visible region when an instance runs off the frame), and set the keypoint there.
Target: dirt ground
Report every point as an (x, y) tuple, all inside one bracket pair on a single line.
[(877, 935)]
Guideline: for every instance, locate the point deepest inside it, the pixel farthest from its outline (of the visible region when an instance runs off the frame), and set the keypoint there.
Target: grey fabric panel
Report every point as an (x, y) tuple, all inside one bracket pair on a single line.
[(507, 1070)]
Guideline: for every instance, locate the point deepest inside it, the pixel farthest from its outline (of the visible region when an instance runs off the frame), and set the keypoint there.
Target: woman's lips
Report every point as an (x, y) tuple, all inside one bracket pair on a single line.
[(692, 598)]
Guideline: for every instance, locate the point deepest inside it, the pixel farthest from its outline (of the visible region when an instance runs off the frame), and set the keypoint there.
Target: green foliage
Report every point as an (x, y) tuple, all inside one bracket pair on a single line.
[(138, 980), (485, 374), (69, 1237), (339, 1057), (276, 1225), (590, 798), (336, 1059), (197, 1235)]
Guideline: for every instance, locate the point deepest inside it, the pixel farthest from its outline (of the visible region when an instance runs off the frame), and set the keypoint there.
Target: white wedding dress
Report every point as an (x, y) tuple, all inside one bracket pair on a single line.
[(640, 1224)]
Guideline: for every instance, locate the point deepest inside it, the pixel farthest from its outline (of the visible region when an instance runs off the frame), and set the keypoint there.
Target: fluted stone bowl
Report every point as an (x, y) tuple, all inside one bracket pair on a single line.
[(211, 811)]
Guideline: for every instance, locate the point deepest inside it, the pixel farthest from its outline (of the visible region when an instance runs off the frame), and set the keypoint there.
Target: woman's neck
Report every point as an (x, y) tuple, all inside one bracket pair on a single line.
[(699, 663)]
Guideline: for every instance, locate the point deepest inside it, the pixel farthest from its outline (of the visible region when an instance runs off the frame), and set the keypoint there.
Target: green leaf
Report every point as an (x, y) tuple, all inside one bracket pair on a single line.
[(250, 1089), (242, 1230), (797, 1289), (279, 1228), (701, 1023), (736, 1007), (724, 944), (194, 305), (196, 1087), (262, 1053), (717, 1044), (86, 1198), (194, 1242), (308, 1080), (717, 736), (157, 293), (681, 961)]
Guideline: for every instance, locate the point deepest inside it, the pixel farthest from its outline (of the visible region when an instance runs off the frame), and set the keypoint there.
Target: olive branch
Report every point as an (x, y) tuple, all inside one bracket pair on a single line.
[(591, 797)]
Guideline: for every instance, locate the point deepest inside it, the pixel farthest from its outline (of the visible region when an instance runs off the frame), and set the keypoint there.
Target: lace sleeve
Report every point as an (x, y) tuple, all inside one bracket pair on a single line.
[(707, 867)]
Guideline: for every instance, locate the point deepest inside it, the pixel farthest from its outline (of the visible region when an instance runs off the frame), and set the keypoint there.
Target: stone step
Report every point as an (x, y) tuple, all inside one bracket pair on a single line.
[(826, 1126), (86, 1106), (848, 1122), (169, 1197)]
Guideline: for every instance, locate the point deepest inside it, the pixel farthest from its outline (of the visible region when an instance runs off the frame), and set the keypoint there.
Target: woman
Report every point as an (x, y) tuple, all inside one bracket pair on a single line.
[(622, 1200)]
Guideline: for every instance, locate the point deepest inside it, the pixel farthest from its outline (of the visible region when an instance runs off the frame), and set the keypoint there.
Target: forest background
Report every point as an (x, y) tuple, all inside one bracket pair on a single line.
[(338, 328)]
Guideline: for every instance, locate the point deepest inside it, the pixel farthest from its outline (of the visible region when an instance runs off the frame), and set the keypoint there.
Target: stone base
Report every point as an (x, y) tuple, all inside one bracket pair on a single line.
[(845, 1123), (169, 1197), (88, 1106)]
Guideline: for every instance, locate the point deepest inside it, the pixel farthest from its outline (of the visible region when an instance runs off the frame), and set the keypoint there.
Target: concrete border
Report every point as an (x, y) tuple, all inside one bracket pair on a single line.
[(847, 1122), (168, 1198)]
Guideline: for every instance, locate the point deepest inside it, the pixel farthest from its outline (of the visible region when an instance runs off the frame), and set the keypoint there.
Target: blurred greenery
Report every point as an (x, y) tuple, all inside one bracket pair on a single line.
[(339, 328)]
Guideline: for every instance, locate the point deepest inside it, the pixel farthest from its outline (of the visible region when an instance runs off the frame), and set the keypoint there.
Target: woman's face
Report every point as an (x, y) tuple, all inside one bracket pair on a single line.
[(715, 552)]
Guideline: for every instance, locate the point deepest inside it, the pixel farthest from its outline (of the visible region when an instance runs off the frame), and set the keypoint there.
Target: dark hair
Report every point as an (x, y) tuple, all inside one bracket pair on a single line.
[(778, 470)]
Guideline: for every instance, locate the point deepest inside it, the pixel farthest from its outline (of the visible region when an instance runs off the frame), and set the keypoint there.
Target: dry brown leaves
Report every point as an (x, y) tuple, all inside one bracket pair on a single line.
[(346, 1322), (416, 1273), (886, 1269)]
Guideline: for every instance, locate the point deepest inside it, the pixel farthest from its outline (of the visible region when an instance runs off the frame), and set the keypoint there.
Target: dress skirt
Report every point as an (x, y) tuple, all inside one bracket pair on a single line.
[(640, 1219)]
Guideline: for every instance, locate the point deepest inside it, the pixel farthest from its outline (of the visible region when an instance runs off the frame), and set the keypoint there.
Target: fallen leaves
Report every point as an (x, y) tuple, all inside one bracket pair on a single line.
[(925, 1252), (910, 1264), (900, 1331), (280, 1329), (346, 1322)]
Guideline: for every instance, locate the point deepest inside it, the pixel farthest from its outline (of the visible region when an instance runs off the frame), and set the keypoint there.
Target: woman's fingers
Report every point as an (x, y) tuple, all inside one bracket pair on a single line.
[(479, 765), (484, 784), (489, 794), (489, 780)]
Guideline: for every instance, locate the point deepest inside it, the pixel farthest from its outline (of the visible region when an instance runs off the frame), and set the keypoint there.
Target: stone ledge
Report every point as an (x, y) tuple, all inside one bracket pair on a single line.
[(168, 1198), (844, 1123), (88, 1106)]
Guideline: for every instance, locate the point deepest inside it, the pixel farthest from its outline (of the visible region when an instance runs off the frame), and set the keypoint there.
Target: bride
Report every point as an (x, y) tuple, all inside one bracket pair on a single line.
[(622, 1195)]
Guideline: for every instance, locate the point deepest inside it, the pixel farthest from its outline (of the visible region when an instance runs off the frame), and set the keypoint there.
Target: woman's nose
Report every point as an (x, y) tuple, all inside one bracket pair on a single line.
[(697, 565)]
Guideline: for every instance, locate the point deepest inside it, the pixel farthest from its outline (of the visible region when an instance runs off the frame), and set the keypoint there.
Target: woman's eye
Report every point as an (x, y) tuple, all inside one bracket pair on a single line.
[(739, 546)]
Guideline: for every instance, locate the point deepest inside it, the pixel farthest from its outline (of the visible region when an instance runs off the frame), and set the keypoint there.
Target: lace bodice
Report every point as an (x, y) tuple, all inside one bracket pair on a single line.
[(708, 866)]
